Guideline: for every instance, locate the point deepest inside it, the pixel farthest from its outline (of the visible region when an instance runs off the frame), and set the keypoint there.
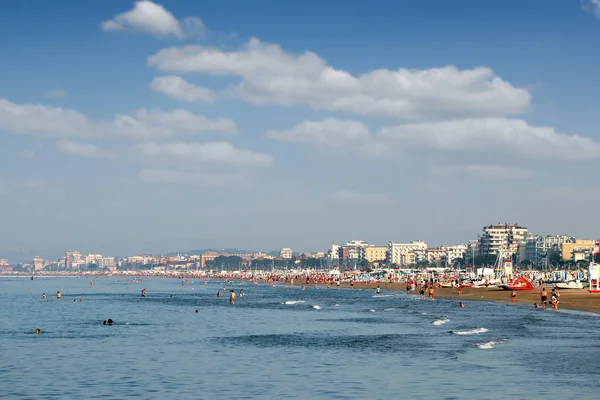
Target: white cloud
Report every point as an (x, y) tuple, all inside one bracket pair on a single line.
[(496, 135), (35, 119), (270, 75), (350, 197), (207, 180), (333, 133), (592, 6), (57, 93), (484, 172), (82, 150), (180, 89), (185, 121), (216, 153), (152, 18)]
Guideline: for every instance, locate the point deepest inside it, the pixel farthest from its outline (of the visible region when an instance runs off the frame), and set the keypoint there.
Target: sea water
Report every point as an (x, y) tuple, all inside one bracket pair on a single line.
[(281, 342)]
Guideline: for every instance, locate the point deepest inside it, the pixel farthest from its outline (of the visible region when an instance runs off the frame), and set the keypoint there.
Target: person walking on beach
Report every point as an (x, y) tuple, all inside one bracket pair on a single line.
[(544, 298), (431, 293), (460, 289), (513, 297)]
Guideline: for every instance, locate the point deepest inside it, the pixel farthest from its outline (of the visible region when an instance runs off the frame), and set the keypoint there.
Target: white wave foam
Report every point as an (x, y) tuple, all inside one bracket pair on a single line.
[(293, 302), (487, 345), (440, 322), (388, 309), (384, 295), (336, 305), (372, 310), (471, 332), (316, 307)]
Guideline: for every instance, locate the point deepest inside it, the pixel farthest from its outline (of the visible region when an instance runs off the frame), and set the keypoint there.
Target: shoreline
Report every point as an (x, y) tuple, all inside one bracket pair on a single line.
[(570, 299)]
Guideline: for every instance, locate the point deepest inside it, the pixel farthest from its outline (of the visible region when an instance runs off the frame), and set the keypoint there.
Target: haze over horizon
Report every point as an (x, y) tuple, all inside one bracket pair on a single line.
[(146, 127)]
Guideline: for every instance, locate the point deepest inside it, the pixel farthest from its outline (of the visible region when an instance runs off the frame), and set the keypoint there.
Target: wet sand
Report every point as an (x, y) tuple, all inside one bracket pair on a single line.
[(573, 299)]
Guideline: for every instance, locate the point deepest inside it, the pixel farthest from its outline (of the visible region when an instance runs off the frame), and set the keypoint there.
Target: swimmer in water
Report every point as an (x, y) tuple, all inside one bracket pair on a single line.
[(38, 331), (461, 304), (218, 293), (43, 295), (109, 322), (196, 312), (535, 305), (58, 295), (143, 292), (241, 292)]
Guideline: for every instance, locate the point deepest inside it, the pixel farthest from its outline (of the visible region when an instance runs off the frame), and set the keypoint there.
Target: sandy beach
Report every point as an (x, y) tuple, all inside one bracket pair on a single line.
[(574, 299)]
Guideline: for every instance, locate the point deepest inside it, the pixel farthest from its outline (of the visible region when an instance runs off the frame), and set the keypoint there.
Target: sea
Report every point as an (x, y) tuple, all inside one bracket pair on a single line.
[(282, 342)]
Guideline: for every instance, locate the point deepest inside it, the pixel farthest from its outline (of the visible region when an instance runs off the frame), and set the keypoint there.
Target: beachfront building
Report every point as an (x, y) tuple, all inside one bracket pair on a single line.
[(206, 257), (455, 253), (286, 253), (502, 236), (568, 249), (38, 263), (105, 262), (334, 252), (375, 254), (352, 252), (406, 253), (436, 255), (538, 247), (73, 260)]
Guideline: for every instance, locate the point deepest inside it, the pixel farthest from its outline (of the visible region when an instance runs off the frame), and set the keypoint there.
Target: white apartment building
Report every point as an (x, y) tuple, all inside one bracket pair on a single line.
[(105, 262), (352, 250), (502, 236), (334, 252), (286, 253), (92, 258), (537, 247), (406, 253), (455, 252)]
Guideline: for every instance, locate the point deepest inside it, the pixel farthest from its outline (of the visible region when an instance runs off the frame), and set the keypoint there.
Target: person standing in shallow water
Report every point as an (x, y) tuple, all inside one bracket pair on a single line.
[(232, 297), (513, 297)]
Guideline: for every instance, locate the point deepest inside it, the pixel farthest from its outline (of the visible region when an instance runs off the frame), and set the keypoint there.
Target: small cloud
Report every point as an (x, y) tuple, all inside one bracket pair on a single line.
[(592, 6), (82, 150), (484, 172), (178, 88), (57, 93), (350, 197), (152, 18)]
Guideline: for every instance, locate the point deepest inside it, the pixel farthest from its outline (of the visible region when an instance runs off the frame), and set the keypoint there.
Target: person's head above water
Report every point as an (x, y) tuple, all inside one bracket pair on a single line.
[(109, 321), (38, 330), (105, 322)]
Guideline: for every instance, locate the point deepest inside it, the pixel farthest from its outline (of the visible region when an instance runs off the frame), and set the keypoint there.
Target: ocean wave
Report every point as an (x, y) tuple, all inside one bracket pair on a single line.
[(488, 345), (289, 302), (470, 332), (316, 307), (442, 321)]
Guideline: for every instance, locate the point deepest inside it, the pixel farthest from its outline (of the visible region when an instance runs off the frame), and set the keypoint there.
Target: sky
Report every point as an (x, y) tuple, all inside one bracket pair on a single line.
[(133, 127)]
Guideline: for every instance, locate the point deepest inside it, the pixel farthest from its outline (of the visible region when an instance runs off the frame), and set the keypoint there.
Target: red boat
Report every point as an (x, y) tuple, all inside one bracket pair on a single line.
[(518, 283)]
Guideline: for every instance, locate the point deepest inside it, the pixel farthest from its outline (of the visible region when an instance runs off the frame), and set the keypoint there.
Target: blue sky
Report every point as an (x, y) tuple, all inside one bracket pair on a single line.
[(132, 127)]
